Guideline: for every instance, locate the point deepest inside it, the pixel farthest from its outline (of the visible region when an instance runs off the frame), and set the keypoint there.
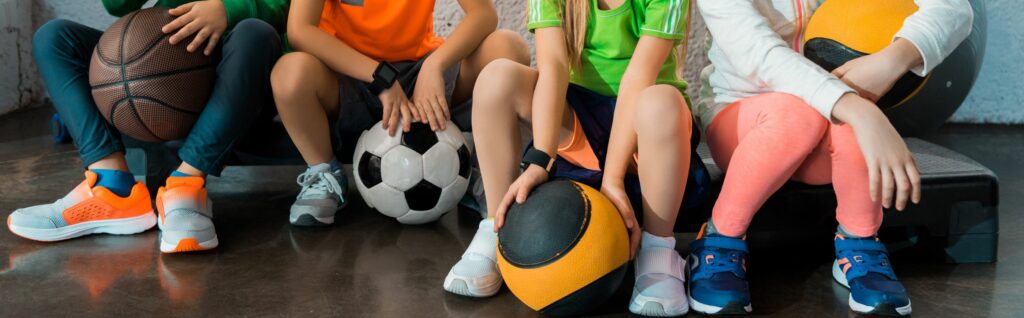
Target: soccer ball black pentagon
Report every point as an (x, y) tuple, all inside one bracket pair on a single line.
[(414, 177)]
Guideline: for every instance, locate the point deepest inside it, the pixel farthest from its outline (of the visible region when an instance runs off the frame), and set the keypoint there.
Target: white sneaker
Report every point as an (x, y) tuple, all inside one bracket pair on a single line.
[(660, 288), (323, 194), (476, 274)]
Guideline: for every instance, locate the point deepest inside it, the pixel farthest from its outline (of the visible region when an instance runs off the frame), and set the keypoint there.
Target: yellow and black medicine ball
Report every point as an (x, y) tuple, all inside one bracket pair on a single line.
[(565, 250), (842, 30)]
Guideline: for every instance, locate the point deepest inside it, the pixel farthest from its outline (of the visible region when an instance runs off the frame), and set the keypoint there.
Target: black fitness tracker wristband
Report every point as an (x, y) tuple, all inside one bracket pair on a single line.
[(383, 77), (534, 156)]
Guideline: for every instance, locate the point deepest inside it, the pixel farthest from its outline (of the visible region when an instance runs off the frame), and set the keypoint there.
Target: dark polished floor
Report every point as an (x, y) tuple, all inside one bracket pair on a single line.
[(369, 265)]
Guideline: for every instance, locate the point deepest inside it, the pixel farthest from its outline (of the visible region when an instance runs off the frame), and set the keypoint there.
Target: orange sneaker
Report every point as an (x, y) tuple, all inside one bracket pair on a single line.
[(87, 209), (186, 216)]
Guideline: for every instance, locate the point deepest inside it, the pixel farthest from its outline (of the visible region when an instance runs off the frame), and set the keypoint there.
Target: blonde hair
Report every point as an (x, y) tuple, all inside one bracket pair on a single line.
[(574, 24)]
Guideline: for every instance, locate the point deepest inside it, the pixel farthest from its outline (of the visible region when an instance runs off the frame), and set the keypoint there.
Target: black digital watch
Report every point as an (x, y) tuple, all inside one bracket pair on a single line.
[(383, 78)]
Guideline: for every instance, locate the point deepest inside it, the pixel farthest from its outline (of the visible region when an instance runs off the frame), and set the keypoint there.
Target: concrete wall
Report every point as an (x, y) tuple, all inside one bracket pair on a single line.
[(996, 98)]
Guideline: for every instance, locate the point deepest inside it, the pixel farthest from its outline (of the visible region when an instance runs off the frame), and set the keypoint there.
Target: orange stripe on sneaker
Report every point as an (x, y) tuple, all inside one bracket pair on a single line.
[(188, 245)]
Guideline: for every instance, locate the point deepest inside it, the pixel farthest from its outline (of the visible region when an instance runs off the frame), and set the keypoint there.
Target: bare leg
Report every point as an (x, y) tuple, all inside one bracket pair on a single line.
[(502, 44), (113, 161), (502, 102), (190, 170), (663, 125), (306, 94)]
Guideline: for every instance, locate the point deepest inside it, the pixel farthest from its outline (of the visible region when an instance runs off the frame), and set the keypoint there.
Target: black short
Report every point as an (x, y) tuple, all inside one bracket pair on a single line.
[(359, 109)]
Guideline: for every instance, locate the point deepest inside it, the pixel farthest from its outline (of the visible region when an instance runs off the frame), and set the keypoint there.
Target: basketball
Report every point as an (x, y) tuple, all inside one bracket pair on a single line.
[(147, 88), (565, 250), (842, 30)]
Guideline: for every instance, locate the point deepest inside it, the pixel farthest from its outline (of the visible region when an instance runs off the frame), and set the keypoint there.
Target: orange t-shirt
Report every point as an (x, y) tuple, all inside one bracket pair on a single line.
[(387, 30)]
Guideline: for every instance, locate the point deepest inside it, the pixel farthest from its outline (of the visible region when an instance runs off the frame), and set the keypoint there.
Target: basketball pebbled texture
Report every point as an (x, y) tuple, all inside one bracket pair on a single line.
[(146, 87)]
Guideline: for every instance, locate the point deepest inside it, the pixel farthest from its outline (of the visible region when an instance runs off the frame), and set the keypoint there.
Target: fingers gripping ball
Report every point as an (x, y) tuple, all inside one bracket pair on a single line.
[(565, 250), (414, 177), (842, 30), (146, 87)]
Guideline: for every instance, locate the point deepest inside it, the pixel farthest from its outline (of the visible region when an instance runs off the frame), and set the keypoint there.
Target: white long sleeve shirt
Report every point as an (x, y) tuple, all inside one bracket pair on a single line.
[(756, 47)]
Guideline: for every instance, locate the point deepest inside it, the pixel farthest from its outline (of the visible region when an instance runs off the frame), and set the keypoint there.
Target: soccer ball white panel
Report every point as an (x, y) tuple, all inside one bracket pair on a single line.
[(440, 164), (401, 168), (376, 140), (451, 136), (387, 200)]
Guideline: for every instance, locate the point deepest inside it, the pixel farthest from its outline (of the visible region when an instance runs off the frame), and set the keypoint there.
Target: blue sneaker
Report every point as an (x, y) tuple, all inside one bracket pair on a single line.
[(862, 265), (718, 275)]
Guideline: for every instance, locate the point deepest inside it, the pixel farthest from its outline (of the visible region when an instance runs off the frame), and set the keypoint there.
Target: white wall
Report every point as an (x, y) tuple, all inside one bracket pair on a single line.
[(997, 97)]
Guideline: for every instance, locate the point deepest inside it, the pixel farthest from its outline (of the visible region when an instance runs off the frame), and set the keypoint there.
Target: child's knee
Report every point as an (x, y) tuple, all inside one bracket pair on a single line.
[(661, 109), (255, 34), (50, 36), (496, 82), (512, 45), (288, 76)]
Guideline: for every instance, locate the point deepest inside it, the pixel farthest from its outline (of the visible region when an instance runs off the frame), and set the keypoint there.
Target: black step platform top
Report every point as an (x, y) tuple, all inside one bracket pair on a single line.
[(934, 162)]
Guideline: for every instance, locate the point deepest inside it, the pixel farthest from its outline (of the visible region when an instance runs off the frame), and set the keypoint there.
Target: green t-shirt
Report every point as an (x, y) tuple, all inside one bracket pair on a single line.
[(612, 36)]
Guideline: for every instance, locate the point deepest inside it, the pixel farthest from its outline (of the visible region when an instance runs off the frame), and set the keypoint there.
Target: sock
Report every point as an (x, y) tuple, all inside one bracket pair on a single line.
[(648, 240), (668, 290), (710, 229), (177, 173), (334, 164), (322, 167), (117, 181), (842, 231)]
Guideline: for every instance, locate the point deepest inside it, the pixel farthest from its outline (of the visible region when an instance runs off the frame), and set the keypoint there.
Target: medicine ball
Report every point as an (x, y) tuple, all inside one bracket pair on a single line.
[(842, 30), (146, 87), (565, 250)]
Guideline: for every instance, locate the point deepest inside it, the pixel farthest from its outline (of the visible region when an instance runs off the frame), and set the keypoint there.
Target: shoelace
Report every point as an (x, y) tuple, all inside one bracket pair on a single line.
[(321, 181), (717, 260)]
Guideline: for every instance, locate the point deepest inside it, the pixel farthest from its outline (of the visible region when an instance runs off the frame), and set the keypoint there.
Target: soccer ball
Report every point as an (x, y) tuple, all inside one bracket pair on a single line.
[(414, 177)]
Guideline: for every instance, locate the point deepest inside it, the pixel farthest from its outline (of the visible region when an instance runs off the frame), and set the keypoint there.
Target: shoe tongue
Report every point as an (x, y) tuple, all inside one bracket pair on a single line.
[(196, 182)]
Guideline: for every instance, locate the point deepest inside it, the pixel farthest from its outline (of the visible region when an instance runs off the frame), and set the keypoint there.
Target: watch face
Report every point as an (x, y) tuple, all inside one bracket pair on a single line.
[(388, 73)]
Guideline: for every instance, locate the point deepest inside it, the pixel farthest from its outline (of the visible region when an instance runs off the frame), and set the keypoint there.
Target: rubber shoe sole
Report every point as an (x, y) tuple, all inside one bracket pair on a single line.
[(187, 245), (459, 286), (882, 309), (651, 307), (299, 217), (125, 226), (309, 220)]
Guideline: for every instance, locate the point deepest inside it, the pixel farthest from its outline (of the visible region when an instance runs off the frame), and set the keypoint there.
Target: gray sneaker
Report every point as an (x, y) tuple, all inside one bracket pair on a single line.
[(323, 194)]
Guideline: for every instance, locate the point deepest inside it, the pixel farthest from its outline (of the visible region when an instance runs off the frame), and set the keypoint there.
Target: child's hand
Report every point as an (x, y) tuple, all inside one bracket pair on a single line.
[(206, 19), (615, 191), (518, 191), (874, 75), (891, 166), (396, 106), (429, 96)]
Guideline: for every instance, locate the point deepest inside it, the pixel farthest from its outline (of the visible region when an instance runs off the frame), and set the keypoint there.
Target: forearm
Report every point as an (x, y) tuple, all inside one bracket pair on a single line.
[(856, 111), (622, 142), (480, 21), (549, 106), (337, 55), (906, 55), (648, 57)]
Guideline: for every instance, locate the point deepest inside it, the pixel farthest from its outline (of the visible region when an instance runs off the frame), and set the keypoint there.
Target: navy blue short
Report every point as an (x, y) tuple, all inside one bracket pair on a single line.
[(595, 113)]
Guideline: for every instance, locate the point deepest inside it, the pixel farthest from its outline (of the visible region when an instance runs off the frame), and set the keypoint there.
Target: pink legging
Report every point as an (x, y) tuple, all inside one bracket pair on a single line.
[(765, 140)]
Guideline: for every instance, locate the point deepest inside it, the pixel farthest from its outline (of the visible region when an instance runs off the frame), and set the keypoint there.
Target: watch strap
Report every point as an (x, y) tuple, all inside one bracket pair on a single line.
[(534, 156)]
